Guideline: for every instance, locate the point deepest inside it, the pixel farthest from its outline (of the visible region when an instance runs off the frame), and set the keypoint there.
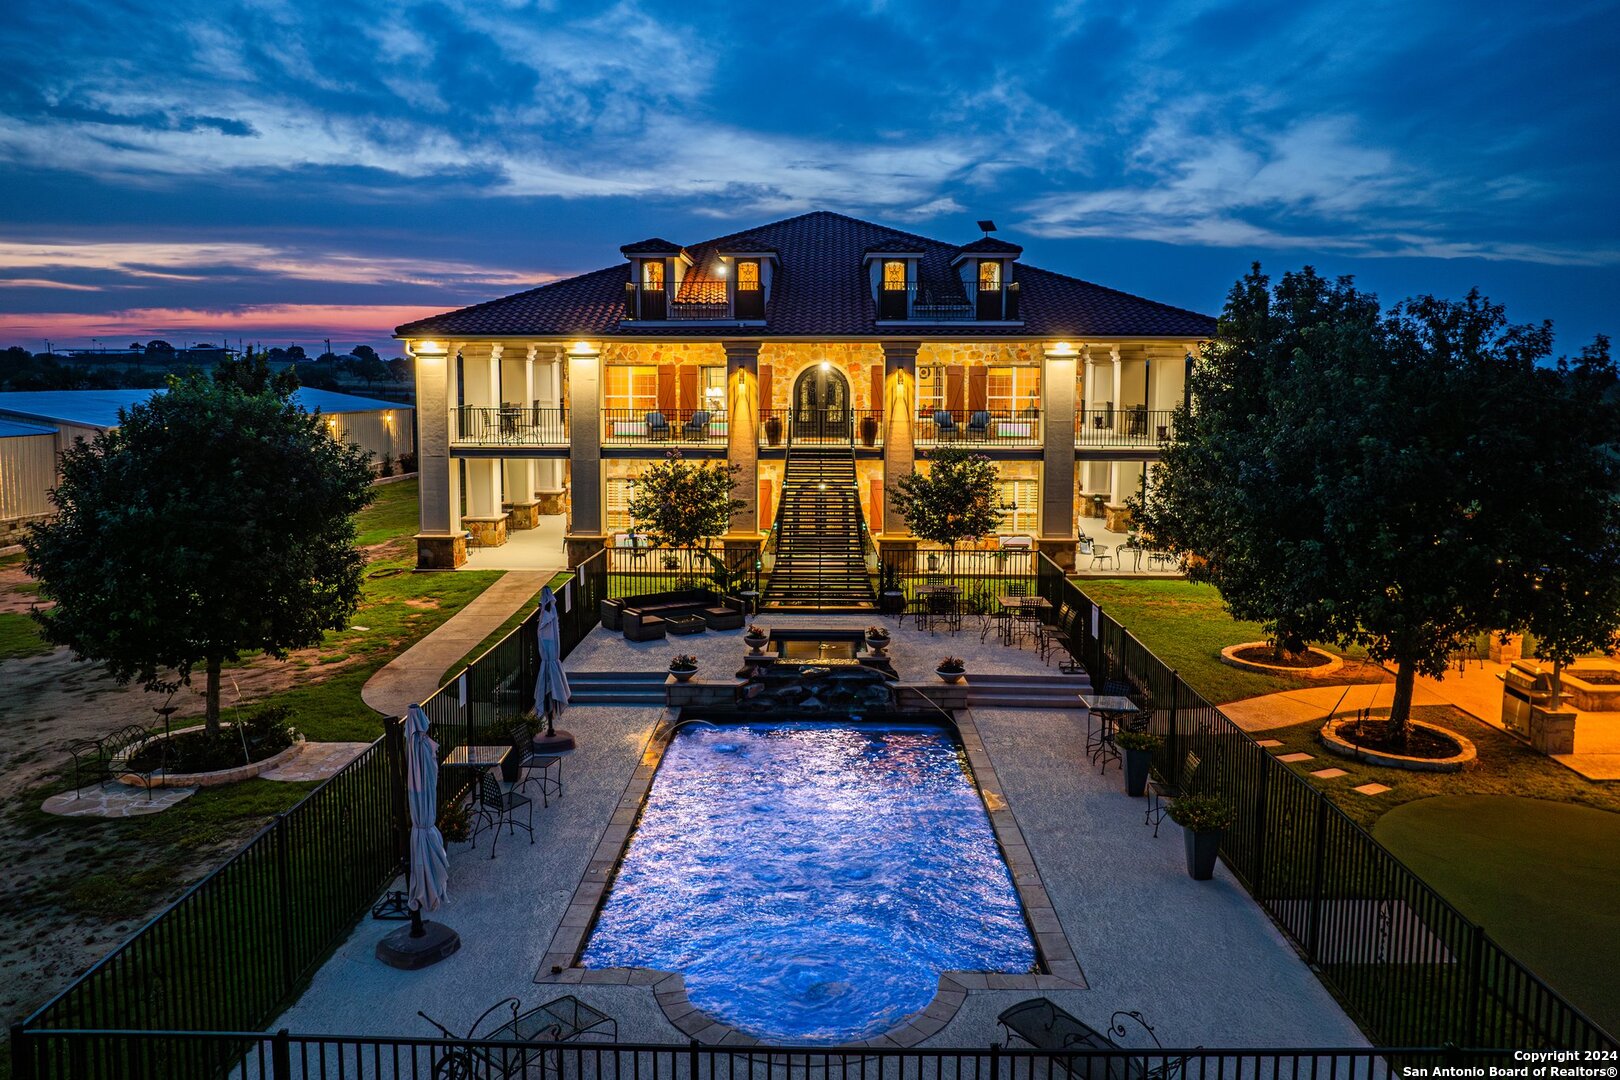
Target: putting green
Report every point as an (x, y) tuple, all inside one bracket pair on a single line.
[(1542, 877)]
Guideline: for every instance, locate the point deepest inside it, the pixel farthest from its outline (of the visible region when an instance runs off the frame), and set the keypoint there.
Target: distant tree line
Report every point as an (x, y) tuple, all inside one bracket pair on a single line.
[(149, 366)]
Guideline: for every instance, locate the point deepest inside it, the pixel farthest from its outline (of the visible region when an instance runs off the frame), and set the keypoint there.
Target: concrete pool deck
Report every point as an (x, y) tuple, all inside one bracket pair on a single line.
[(1200, 960)]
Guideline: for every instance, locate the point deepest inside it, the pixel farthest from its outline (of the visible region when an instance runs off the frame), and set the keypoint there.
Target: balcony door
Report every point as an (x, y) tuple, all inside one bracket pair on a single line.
[(821, 405)]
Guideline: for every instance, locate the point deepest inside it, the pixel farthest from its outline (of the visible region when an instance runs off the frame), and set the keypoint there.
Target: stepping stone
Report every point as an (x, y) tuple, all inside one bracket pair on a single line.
[(1329, 774), (1268, 742), (1373, 789), (115, 800), (1294, 757)]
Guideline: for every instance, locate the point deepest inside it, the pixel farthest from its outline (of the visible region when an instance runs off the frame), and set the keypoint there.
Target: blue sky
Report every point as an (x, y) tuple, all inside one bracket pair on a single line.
[(290, 169)]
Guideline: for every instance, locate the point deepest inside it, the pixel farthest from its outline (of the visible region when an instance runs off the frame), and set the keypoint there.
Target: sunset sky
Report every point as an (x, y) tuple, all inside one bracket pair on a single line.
[(288, 170)]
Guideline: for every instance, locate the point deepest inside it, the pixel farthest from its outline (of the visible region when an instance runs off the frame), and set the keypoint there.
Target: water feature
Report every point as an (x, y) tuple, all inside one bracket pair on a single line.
[(812, 880)]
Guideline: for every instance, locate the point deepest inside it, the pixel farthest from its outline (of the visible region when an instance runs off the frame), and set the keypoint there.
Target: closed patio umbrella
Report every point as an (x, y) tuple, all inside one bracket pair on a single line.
[(551, 691), (422, 943)]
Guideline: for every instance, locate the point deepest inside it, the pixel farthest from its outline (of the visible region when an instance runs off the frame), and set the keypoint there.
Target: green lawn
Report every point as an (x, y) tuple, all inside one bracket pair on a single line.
[(20, 636), (505, 628), (392, 515), (1540, 876), (1186, 626)]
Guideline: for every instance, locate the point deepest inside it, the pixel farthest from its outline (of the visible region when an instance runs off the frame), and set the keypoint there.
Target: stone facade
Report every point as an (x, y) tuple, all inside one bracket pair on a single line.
[(486, 532)]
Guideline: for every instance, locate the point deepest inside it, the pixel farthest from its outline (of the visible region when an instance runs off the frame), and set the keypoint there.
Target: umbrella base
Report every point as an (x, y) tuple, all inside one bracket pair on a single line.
[(555, 743), (400, 950)]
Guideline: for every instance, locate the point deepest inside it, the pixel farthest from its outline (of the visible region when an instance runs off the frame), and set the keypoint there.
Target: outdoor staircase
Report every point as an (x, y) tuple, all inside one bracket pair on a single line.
[(1025, 691), (819, 535), (616, 687)]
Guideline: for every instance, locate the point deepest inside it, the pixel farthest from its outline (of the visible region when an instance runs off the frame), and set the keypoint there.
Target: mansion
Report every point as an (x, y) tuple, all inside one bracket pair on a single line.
[(857, 347)]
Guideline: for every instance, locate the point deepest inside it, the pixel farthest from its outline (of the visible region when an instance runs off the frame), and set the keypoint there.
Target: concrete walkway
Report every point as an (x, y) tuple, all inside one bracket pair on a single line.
[(1315, 702), (415, 673)]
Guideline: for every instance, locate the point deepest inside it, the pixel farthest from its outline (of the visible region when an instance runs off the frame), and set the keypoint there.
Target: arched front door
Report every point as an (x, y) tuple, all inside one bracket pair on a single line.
[(821, 404)]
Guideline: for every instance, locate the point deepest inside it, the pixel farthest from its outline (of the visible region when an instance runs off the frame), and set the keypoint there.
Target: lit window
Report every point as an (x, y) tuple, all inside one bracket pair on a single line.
[(989, 274), (1020, 508), (747, 275), (631, 387), (620, 490), (1012, 390), (894, 275), (930, 388), (652, 274)]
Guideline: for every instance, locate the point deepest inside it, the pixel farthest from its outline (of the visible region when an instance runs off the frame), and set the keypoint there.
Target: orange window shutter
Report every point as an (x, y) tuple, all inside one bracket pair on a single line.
[(955, 395), (767, 512), (666, 388), (688, 387), (764, 386), (874, 504), (978, 388), (877, 386)]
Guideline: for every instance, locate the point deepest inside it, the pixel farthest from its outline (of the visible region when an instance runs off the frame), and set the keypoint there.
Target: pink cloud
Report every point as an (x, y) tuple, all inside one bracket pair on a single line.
[(270, 323)]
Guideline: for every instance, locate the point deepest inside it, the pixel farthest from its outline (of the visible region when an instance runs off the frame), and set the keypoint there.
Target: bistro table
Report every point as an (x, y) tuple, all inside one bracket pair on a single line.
[(1107, 708), (1015, 606), (941, 603), (477, 757)]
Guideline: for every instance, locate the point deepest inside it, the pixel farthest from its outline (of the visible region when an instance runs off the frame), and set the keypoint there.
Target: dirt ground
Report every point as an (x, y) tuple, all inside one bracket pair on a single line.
[(74, 888)]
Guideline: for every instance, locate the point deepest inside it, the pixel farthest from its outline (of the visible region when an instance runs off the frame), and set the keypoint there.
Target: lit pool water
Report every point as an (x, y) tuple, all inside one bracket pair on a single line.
[(812, 880)]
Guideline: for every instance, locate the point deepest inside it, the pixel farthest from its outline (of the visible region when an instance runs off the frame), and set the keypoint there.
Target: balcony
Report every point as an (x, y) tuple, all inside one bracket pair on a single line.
[(653, 304), (671, 428), (1133, 427), (512, 425), (861, 428), (952, 301), (990, 429)]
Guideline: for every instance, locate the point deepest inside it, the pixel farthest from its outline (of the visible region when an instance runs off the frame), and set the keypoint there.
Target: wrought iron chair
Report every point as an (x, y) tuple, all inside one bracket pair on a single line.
[(533, 768), (494, 807)]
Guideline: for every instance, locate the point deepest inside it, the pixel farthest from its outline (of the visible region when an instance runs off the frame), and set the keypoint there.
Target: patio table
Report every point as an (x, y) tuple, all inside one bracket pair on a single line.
[(1107, 708), (565, 1020), (1015, 606), (942, 603)]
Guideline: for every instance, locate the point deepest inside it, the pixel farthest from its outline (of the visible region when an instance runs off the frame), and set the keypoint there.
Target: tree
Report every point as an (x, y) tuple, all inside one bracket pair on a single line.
[(214, 519), (364, 352), (399, 369), (1565, 586), (955, 500), (1236, 487), (679, 504), (1365, 479), (159, 346)]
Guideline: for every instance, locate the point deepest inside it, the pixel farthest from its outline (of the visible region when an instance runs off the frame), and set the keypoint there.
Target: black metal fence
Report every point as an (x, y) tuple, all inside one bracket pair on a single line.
[(1004, 428), (104, 1055), (236, 947), (512, 425), (664, 427), (1406, 964), (1131, 425), (638, 571), (975, 572)]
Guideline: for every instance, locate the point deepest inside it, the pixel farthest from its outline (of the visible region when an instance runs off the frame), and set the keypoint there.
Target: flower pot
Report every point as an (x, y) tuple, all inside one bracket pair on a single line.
[(755, 644), (773, 430), (877, 645), (892, 602), (1202, 850), (951, 676), (869, 431), (683, 676), (1137, 764)]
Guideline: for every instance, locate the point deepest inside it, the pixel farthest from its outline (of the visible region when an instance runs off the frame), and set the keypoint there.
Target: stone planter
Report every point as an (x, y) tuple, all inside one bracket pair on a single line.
[(1137, 765), (773, 431), (950, 676), (1203, 849), (683, 676), (1329, 665), (219, 776), (869, 431), (1346, 749), (878, 645), (892, 602), (755, 644)]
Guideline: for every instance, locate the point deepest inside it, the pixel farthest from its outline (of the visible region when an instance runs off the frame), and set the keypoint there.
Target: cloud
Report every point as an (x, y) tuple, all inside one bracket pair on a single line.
[(267, 322)]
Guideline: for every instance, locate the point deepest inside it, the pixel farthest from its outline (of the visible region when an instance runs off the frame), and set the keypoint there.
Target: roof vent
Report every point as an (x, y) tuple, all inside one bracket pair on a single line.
[(987, 226)]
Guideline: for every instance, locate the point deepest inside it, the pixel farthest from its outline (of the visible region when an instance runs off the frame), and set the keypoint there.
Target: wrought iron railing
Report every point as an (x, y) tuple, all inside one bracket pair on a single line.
[(1408, 966), (638, 571), (512, 425), (951, 300), (1130, 426), (652, 303), (1008, 428), (656, 427)]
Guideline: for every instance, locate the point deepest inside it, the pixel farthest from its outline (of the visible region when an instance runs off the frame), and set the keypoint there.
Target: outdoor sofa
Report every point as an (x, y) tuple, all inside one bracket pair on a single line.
[(642, 618)]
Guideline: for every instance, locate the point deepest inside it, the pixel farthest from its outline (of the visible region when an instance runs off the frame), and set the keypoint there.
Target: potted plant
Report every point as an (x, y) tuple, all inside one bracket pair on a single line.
[(891, 597), (683, 666), (869, 430), (877, 639), (1204, 820), (951, 669), (672, 562), (755, 638), (1139, 748), (773, 430)]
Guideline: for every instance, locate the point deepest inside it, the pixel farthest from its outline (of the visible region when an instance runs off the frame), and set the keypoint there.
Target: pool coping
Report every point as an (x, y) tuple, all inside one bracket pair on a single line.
[(1054, 955)]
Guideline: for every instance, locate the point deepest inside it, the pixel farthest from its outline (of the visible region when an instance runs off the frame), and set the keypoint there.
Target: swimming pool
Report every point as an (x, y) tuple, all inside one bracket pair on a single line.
[(812, 880)]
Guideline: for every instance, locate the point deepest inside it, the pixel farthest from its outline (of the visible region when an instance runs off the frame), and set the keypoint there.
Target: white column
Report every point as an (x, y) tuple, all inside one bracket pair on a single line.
[(548, 390), (742, 434), (1057, 537), (1119, 383), (1088, 388), (439, 544), (585, 533)]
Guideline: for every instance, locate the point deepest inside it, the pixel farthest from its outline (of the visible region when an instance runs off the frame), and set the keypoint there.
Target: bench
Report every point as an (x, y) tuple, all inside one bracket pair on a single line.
[(99, 761), (642, 618), (1161, 793)]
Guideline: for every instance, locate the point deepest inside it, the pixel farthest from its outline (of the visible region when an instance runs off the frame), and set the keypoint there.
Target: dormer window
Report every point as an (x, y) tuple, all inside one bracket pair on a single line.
[(892, 299), (652, 274), (989, 301), (750, 296)]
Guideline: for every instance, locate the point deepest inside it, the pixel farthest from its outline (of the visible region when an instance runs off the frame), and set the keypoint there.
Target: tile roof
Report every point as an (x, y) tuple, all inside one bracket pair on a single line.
[(654, 245), (821, 289), (990, 245)]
